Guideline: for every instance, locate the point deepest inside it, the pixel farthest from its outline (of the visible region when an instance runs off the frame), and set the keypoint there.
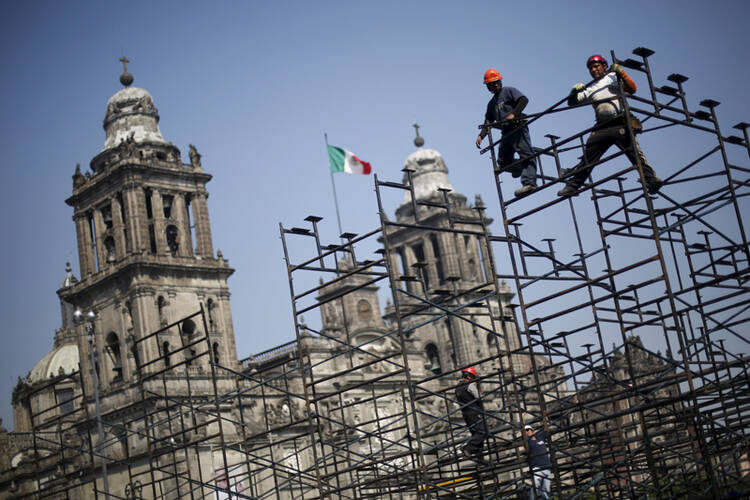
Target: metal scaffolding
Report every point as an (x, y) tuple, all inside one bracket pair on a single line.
[(613, 320)]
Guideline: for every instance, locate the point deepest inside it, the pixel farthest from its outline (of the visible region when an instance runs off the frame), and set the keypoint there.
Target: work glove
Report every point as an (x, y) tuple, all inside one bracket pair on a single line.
[(617, 69), (573, 97)]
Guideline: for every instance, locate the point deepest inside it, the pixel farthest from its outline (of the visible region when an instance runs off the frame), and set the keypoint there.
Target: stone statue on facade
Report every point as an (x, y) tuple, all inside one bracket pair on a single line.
[(195, 157)]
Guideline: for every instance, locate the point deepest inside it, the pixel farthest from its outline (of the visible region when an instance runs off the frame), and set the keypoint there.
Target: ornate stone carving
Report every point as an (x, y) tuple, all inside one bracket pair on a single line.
[(145, 104), (112, 111), (78, 178), (127, 146)]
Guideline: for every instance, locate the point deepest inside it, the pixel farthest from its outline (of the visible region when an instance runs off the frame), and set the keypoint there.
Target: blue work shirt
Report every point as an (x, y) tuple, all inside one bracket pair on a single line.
[(502, 104), (538, 456)]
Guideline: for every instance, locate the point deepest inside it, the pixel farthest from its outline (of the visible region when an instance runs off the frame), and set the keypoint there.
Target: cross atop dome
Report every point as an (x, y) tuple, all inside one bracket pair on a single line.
[(418, 141), (125, 78)]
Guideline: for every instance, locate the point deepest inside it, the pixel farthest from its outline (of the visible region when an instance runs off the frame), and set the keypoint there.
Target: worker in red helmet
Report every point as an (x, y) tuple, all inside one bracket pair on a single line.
[(611, 126), (470, 398), (505, 110)]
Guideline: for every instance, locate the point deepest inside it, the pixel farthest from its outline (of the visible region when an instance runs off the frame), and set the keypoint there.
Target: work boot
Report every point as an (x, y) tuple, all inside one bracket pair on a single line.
[(524, 190), (653, 184), (568, 190)]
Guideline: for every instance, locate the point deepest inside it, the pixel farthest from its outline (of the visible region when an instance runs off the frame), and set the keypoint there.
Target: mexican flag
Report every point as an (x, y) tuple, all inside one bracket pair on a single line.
[(345, 161)]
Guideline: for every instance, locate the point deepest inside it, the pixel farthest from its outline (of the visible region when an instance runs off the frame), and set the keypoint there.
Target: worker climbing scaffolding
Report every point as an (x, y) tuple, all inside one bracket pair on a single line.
[(469, 397), (611, 126), (505, 111)]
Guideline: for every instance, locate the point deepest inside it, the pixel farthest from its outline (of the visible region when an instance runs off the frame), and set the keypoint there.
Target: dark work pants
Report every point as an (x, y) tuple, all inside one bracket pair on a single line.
[(478, 429), (599, 142), (518, 141)]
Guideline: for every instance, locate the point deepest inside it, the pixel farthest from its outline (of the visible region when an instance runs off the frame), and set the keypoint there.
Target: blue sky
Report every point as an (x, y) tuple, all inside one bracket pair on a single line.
[(255, 85)]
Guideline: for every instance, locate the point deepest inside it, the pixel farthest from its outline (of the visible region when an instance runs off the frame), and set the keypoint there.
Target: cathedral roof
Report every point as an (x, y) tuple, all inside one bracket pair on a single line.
[(131, 113), (63, 358)]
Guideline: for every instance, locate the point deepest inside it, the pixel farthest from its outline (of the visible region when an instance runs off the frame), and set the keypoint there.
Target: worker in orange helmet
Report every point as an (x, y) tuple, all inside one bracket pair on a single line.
[(470, 398), (611, 126), (506, 106)]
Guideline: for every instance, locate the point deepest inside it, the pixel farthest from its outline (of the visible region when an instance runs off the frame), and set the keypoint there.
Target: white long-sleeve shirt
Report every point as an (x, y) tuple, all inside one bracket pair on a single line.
[(602, 94)]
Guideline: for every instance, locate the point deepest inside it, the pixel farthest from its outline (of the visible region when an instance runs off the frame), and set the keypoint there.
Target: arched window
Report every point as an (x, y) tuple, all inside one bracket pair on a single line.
[(433, 357), (165, 352), (113, 349), (210, 305), (65, 401), (216, 352), (166, 202)]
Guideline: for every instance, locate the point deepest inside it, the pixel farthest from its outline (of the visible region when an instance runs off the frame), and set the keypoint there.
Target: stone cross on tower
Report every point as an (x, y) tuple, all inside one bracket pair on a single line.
[(418, 141), (125, 78)]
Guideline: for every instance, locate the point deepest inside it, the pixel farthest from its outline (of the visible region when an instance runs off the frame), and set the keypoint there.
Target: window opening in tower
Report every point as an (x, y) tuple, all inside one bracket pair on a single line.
[(216, 352), (166, 202), (65, 400), (109, 249), (113, 350), (149, 209), (438, 259), (433, 357), (107, 216), (419, 255), (172, 239), (165, 352)]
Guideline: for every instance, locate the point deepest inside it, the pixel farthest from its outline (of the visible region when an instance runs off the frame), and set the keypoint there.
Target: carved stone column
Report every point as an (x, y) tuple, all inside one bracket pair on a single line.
[(99, 230), (85, 245), (157, 210), (202, 226), (137, 223), (117, 228), (145, 321), (179, 212)]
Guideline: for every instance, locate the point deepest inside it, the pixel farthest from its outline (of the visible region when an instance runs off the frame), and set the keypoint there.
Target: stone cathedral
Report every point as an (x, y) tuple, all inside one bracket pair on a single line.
[(147, 262)]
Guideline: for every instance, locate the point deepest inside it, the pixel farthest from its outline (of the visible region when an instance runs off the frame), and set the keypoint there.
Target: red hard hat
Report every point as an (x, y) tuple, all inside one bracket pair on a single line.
[(492, 75), (596, 58), (469, 369)]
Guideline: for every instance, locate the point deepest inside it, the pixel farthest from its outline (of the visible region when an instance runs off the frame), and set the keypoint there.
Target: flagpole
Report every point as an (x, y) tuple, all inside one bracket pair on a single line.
[(333, 185)]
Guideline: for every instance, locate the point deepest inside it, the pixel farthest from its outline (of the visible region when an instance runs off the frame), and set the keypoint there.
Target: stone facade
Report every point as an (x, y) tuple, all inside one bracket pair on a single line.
[(147, 262)]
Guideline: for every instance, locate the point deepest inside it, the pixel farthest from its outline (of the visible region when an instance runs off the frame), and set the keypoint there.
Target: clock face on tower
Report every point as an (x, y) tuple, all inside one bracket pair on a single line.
[(365, 310)]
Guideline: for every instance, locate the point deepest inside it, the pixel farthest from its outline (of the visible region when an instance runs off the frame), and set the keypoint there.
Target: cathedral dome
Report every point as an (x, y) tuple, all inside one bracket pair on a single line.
[(430, 174), (64, 357), (131, 112)]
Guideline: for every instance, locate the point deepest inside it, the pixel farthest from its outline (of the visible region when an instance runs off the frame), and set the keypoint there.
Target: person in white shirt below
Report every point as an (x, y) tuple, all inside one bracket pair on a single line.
[(539, 462), (611, 128)]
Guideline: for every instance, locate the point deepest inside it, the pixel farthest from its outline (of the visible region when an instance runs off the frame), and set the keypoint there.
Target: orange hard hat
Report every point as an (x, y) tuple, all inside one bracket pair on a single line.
[(469, 369), (492, 75)]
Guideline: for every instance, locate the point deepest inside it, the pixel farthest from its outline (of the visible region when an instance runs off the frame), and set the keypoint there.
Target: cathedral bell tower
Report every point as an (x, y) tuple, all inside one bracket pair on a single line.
[(439, 261), (144, 244)]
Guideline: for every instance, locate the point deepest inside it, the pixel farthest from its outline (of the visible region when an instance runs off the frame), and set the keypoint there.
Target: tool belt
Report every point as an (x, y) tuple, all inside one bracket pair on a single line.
[(619, 121)]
